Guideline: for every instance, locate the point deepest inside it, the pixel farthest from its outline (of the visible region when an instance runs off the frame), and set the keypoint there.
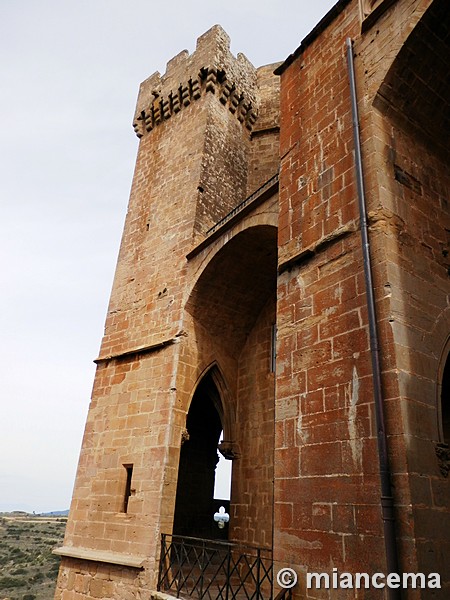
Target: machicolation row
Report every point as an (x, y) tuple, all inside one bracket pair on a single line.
[(209, 79)]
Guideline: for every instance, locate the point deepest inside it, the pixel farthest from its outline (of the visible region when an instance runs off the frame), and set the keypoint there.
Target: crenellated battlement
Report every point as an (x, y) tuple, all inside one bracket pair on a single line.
[(211, 68)]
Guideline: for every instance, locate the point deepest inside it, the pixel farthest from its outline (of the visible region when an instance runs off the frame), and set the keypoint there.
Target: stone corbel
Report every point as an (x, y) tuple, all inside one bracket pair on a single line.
[(229, 450), (209, 79)]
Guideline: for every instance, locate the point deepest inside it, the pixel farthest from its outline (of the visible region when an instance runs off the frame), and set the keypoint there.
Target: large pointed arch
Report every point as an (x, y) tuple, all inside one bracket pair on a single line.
[(230, 315)]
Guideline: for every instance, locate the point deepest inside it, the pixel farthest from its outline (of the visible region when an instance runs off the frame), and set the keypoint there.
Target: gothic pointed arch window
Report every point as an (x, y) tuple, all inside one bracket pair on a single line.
[(196, 502), (444, 400)]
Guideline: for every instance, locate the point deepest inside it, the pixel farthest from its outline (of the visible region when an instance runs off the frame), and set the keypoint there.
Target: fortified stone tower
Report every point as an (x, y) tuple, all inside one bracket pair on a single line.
[(187, 347)]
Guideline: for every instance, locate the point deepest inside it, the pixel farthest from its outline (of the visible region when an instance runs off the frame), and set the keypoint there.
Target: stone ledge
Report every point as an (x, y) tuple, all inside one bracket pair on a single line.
[(307, 253), (138, 350), (114, 558)]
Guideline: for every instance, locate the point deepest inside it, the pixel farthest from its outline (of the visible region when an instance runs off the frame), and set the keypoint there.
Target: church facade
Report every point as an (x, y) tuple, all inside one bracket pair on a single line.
[(281, 297)]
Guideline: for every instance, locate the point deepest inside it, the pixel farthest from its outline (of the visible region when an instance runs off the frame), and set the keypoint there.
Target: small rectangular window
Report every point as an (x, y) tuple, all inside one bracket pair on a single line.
[(129, 470)]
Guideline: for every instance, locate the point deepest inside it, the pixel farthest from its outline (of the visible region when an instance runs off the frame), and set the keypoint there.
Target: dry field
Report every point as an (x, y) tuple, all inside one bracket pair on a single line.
[(28, 569)]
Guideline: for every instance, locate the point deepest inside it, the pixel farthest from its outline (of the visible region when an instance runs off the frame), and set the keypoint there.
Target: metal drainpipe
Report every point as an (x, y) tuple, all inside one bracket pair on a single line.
[(387, 502)]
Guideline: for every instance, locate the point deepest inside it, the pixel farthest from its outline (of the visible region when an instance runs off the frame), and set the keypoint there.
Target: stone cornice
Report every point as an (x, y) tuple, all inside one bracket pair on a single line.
[(208, 80), (139, 350)]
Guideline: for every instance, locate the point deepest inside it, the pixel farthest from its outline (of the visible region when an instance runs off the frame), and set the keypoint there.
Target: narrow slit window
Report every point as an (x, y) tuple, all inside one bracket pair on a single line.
[(273, 348), (129, 470)]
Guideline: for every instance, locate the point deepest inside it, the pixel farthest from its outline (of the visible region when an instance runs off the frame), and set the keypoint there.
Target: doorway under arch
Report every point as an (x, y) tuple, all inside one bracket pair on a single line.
[(194, 504)]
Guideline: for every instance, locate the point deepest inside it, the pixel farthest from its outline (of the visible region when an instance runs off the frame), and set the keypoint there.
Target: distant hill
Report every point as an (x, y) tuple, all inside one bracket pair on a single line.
[(24, 514), (55, 513)]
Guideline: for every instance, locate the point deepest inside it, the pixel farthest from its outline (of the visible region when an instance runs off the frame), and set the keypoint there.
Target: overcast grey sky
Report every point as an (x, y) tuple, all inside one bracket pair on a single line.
[(69, 80)]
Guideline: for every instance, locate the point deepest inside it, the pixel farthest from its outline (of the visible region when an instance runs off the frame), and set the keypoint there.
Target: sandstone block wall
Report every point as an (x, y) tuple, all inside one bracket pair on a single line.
[(408, 185), (327, 508), (325, 429)]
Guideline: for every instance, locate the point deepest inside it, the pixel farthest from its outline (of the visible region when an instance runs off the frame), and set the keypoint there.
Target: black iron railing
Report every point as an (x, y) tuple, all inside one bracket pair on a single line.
[(214, 570)]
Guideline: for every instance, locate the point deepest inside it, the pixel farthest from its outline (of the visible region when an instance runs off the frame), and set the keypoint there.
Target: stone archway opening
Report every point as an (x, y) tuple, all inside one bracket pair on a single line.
[(230, 323), (195, 504), (233, 310)]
